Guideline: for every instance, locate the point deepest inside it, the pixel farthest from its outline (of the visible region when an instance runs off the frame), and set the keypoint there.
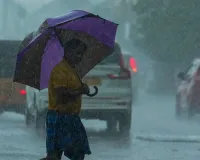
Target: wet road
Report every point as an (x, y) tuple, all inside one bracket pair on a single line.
[(153, 118)]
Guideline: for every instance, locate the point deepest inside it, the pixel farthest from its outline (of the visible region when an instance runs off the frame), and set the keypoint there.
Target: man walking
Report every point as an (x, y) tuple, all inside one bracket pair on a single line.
[(65, 131)]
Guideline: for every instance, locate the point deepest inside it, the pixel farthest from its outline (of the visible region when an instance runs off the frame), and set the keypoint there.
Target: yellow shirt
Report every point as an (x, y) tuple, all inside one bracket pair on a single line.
[(64, 75)]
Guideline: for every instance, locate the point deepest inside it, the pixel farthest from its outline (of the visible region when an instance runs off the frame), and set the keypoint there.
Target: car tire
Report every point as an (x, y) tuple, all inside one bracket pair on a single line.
[(190, 112), (135, 95), (41, 123), (1, 111), (178, 110), (28, 117), (111, 124), (125, 123)]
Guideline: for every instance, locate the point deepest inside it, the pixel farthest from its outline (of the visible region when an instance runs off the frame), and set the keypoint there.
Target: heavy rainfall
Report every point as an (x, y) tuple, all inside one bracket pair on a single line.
[(148, 103)]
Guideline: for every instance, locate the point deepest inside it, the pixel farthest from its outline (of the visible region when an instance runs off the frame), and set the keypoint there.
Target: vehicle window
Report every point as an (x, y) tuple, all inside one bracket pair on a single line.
[(111, 59), (114, 57), (8, 52)]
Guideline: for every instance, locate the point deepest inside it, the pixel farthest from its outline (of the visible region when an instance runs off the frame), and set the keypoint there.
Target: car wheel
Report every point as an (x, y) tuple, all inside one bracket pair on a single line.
[(28, 117), (1, 111), (190, 112), (178, 106), (125, 123), (111, 124), (135, 95), (41, 123)]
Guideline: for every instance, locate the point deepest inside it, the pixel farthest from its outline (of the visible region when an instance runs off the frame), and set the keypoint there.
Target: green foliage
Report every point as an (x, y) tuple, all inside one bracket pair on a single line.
[(171, 30)]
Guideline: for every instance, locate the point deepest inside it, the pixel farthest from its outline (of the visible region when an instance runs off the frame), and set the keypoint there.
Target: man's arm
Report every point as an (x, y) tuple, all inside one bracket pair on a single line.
[(63, 89), (64, 94), (69, 92)]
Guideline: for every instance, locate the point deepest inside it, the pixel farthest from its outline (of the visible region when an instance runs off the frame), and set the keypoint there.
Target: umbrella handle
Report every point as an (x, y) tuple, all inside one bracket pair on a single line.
[(93, 94)]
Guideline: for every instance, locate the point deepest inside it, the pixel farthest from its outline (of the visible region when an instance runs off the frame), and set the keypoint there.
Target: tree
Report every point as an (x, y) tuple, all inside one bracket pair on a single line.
[(170, 30)]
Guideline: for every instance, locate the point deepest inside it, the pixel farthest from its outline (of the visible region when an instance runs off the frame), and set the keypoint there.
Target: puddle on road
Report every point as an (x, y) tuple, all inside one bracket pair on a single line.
[(168, 138)]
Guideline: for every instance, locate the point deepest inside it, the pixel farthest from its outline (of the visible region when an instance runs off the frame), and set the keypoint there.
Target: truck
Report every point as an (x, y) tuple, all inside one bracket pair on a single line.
[(12, 95)]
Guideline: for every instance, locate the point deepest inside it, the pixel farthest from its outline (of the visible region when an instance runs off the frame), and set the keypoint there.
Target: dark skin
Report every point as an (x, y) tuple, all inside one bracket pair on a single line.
[(64, 93)]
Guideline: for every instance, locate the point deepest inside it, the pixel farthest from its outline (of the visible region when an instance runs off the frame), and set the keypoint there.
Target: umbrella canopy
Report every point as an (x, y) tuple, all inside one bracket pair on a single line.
[(26, 41), (36, 61)]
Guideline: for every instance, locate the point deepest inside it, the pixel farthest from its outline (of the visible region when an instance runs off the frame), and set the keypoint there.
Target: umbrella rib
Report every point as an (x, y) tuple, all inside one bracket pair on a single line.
[(58, 37)]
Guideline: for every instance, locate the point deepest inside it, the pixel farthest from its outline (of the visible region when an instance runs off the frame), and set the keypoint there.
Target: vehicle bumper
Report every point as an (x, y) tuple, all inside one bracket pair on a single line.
[(18, 108), (104, 114), (194, 103), (195, 109), (104, 109), (100, 110)]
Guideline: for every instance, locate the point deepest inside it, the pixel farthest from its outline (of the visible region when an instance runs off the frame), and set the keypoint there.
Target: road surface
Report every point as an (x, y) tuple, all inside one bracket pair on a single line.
[(156, 135)]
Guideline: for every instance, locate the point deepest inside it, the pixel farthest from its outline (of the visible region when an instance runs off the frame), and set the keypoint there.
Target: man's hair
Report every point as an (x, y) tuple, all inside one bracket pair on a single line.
[(73, 44)]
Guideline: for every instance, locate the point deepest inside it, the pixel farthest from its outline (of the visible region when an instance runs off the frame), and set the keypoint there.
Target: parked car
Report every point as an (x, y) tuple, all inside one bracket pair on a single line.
[(12, 95), (188, 91), (114, 77)]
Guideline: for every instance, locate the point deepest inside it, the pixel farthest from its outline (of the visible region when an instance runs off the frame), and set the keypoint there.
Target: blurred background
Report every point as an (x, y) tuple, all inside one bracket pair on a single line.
[(153, 30), (20, 17), (163, 38)]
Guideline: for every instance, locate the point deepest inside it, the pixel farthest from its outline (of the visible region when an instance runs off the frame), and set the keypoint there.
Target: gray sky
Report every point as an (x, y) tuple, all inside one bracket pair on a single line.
[(34, 4)]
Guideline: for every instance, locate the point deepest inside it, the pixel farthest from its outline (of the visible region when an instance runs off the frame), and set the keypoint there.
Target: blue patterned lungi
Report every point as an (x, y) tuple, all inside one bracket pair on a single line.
[(65, 133)]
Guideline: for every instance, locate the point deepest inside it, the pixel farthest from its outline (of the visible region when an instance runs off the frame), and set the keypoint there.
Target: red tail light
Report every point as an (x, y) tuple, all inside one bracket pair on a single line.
[(22, 92), (133, 64)]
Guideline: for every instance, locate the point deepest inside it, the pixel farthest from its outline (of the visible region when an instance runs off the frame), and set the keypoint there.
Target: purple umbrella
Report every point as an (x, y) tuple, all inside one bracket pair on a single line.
[(36, 61)]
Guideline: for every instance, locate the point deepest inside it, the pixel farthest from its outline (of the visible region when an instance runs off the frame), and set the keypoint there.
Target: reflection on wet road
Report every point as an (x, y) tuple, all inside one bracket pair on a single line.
[(153, 119)]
